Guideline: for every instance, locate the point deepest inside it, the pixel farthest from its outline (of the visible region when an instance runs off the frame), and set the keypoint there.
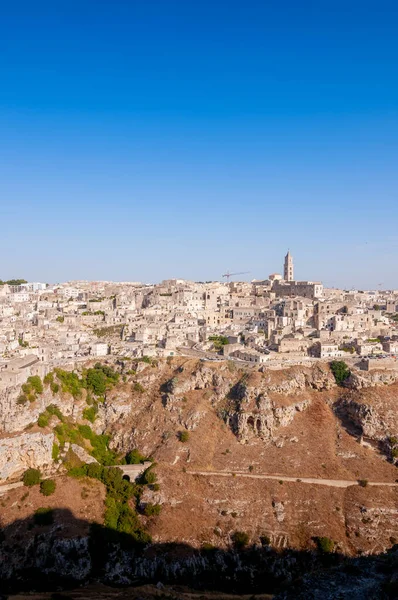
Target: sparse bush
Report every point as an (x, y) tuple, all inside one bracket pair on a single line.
[(325, 544), (134, 457), (47, 487), (240, 539), (43, 516), (35, 383), (55, 452), (43, 419), (152, 510), (137, 387), (363, 482), (90, 414), (265, 540), (149, 477), (31, 477), (49, 378), (54, 388), (183, 436)]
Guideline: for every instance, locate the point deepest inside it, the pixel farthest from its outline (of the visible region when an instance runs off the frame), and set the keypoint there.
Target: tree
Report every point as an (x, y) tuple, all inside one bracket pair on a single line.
[(96, 381), (31, 477), (340, 371)]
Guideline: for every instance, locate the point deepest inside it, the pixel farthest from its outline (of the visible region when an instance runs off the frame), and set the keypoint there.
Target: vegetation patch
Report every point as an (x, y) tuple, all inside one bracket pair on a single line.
[(219, 341), (47, 487), (31, 477), (119, 515), (340, 371)]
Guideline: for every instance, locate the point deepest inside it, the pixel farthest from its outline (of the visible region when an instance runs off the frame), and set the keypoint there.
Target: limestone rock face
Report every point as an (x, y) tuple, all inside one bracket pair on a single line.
[(82, 454), (375, 417), (265, 421), (23, 451), (362, 379), (15, 417)]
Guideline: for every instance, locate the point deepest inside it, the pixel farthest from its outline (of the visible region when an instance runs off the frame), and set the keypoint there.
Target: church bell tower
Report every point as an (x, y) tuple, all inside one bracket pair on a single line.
[(288, 270)]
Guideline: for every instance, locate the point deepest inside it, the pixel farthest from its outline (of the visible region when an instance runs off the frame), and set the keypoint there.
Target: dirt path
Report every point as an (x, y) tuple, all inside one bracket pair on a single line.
[(340, 483), (10, 486)]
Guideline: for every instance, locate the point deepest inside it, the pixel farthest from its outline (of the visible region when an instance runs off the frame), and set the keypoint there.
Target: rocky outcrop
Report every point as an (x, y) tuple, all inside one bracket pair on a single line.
[(362, 379), (15, 416), (23, 451), (265, 420)]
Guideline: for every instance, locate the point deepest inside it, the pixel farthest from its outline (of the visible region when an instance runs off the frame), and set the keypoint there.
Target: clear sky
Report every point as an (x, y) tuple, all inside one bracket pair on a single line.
[(149, 139)]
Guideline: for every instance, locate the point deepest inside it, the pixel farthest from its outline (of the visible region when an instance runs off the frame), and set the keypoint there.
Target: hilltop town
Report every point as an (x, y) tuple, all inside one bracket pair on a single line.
[(251, 421), (278, 321)]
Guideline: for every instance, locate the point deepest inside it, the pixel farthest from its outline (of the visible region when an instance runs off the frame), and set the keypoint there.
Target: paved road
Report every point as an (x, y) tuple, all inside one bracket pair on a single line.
[(340, 483)]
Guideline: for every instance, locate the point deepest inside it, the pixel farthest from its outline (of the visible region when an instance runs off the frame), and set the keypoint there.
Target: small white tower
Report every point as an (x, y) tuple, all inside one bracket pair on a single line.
[(288, 269)]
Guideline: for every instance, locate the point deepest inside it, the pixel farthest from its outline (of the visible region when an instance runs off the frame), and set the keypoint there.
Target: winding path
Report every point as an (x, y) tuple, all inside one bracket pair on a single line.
[(340, 483)]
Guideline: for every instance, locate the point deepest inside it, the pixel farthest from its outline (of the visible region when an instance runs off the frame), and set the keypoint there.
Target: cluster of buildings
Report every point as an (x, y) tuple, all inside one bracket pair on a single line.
[(43, 326)]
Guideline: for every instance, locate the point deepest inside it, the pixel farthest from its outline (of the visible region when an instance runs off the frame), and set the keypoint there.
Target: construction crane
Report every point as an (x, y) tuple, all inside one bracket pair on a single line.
[(228, 274)]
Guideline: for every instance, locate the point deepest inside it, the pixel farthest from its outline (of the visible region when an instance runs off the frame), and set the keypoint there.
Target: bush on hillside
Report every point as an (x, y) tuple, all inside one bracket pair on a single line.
[(31, 477), (135, 457), (325, 544), (240, 539), (183, 436), (47, 487), (340, 371)]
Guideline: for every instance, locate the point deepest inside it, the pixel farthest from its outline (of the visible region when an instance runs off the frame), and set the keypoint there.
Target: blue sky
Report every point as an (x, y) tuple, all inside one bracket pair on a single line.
[(147, 139)]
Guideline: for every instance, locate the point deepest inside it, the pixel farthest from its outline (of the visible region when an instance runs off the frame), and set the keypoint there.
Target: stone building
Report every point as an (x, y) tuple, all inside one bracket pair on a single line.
[(288, 269)]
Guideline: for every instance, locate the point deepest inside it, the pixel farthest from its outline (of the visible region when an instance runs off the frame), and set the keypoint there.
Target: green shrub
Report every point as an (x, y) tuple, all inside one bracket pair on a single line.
[(55, 452), (54, 388), (137, 387), (47, 487), (183, 436), (36, 384), (240, 539), (100, 378), (134, 457), (43, 419), (90, 414), (219, 341), (152, 510), (43, 516), (70, 382), (363, 482), (31, 477), (54, 410), (340, 371), (49, 378), (148, 477), (325, 544)]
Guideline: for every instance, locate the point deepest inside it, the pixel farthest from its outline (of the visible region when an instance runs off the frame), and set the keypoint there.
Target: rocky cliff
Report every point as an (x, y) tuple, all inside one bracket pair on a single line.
[(276, 455)]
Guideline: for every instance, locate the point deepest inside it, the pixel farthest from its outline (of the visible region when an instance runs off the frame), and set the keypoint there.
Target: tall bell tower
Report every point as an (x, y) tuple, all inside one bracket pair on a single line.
[(288, 269)]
